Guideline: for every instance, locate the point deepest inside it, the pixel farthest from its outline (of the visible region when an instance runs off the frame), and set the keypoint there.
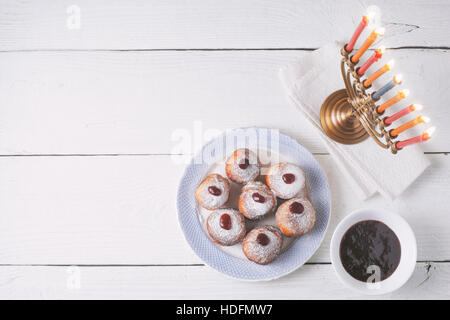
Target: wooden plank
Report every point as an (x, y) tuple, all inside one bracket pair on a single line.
[(429, 281), (141, 24), (139, 102), (121, 210)]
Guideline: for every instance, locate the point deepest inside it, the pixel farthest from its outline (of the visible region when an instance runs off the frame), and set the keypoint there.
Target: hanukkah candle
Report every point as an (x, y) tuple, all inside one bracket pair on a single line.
[(351, 115)]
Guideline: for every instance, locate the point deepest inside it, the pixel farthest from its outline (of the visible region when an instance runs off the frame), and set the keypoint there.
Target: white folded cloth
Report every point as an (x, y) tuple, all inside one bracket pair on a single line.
[(368, 167)]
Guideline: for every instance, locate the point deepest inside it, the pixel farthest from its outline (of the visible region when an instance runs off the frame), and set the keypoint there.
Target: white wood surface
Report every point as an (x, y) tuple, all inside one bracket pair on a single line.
[(195, 24), (87, 119), (429, 281), (121, 210), (125, 111)]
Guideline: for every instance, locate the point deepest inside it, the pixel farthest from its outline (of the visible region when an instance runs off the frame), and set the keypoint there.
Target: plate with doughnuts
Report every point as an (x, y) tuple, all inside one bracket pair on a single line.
[(254, 204)]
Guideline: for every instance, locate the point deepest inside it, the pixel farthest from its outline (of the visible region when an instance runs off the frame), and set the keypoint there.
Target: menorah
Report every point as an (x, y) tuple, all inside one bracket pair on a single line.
[(351, 115)]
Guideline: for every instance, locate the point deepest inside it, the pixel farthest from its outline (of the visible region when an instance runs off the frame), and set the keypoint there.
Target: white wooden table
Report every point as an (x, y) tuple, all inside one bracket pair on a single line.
[(88, 169)]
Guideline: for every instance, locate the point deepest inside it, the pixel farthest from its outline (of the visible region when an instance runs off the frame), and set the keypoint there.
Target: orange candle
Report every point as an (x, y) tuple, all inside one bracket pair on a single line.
[(372, 37), (374, 76), (423, 137), (420, 119), (400, 96)]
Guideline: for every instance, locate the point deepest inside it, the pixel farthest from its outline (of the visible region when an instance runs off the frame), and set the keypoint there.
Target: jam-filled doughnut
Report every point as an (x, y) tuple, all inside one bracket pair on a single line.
[(286, 180), (226, 226), (295, 217), (242, 166), (213, 191), (263, 244), (256, 200)]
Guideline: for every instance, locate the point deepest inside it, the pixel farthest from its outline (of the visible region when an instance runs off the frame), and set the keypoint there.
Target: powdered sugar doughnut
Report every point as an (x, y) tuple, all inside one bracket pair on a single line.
[(242, 166), (226, 226), (213, 191), (256, 200), (286, 180), (263, 244), (295, 217)]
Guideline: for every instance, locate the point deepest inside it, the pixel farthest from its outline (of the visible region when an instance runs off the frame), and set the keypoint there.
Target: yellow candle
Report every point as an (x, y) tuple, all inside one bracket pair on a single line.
[(372, 37), (374, 76), (420, 119), (400, 96)]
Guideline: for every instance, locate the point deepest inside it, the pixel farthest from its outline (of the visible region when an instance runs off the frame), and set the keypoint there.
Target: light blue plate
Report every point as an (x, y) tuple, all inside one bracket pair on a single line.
[(216, 150)]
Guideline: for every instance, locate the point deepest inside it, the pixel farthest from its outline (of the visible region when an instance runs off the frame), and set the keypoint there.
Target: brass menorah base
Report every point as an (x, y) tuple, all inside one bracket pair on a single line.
[(338, 120)]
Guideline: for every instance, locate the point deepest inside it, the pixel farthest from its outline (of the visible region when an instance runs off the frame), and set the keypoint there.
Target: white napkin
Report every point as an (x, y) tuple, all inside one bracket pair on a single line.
[(368, 167)]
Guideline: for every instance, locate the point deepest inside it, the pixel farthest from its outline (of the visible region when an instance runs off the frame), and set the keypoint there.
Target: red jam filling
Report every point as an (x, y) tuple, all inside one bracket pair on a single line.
[(258, 198), (296, 207), (225, 221), (214, 191), (288, 178), (262, 239)]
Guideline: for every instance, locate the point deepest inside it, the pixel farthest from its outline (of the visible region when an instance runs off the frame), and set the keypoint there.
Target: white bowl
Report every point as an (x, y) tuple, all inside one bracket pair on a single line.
[(408, 251)]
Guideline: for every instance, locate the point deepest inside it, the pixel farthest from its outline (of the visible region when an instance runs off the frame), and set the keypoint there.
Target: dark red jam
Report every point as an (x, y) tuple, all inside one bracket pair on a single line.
[(262, 239), (244, 165), (225, 221), (214, 191), (258, 198), (368, 246), (296, 207), (288, 178)]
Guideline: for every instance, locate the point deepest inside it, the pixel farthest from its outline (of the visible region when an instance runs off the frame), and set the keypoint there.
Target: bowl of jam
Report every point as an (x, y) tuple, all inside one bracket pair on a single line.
[(373, 251)]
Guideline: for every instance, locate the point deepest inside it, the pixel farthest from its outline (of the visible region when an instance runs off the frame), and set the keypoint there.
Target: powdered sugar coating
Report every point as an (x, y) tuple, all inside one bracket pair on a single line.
[(222, 236), (282, 189), (252, 209), (240, 175), (295, 224), (206, 199), (259, 253)]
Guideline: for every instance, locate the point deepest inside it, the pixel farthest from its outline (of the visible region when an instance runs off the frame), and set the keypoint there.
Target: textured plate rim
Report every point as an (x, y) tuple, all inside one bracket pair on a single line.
[(214, 264)]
